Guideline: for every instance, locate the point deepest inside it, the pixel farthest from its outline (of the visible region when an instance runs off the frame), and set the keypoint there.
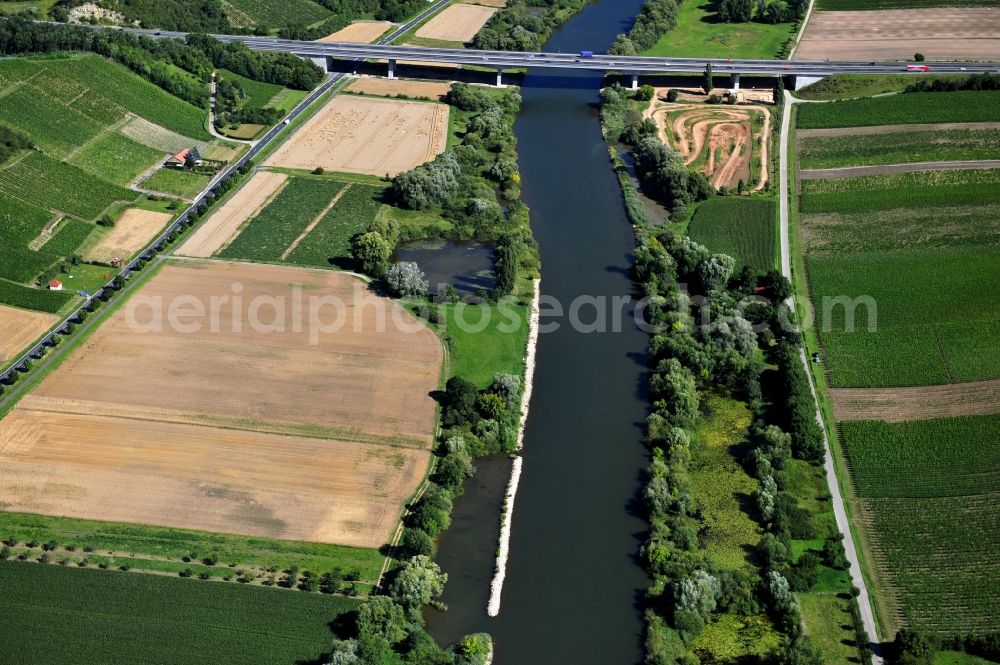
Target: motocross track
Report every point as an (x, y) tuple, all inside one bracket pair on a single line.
[(724, 131)]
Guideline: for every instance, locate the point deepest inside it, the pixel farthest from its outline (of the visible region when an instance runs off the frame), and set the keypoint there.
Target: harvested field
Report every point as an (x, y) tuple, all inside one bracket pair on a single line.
[(978, 398), (19, 328), (131, 232), (499, 4), (457, 23), (433, 90), (720, 142), (244, 425), (879, 130), (152, 135), (223, 225), (958, 33), (361, 32), (370, 136)]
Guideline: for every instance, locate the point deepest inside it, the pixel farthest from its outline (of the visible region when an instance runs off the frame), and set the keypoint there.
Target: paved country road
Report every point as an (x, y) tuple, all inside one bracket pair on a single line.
[(864, 599)]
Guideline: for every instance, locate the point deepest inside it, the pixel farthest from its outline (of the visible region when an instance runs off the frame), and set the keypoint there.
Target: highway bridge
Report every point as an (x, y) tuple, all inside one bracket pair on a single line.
[(328, 52)]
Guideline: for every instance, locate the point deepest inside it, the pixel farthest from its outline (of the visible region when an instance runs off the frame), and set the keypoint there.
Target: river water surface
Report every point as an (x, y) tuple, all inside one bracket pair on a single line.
[(574, 584)]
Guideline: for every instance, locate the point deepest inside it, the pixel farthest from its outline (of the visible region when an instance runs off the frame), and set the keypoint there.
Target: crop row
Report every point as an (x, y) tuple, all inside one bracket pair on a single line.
[(48, 183), (904, 109), (741, 228), (277, 226), (932, 323), (860, 5), (95, 617), (116, 158), (352, 214), (276, 13), (134, 94), (26, 297), (21, 222), (819, 152), (53, 127)]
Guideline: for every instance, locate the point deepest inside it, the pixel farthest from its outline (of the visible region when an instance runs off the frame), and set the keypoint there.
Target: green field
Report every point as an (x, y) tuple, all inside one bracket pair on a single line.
[(52, 615), (728, 533), (742, 228), (901, 190), (166, 543), (116, 158), (179, 183), (700, 34), (47, 183), (935, 322), (274, 13), (330, 239), (259, 94), (856, 5), (825, 615), (945, 145), (904, 109), (844, 86), (933, 487), (275, 228), (26, 297)]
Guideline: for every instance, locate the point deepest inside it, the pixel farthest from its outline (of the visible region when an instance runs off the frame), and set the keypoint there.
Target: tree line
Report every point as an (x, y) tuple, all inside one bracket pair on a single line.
[(762, 11), (524, 25), (157, 60), (973, 82)]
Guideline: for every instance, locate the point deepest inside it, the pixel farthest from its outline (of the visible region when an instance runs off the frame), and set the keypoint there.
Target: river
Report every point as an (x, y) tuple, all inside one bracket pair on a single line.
[(574, 583)]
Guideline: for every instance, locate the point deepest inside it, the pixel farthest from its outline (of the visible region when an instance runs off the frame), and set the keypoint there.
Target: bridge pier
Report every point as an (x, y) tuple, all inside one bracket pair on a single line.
[(635, 81), (734, 82), (499, 77), (392, 68), (323, 62)]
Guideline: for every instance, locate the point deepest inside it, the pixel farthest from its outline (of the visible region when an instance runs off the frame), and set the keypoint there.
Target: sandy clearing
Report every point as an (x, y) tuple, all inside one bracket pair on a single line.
[(244, 425), (131, 232), (195, 477), (911, 167), (433, 90), (360, 32), (891, 129), (366, 135), (499, 4), (222, 226), (457, 23), (916, 403), (19, 328), (959, 33)]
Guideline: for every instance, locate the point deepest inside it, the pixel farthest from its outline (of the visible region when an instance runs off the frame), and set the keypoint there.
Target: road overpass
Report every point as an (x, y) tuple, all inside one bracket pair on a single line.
[(636, 65)]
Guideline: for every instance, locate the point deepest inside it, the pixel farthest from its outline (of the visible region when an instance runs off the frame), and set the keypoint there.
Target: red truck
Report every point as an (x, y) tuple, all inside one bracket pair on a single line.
[(918, 68)]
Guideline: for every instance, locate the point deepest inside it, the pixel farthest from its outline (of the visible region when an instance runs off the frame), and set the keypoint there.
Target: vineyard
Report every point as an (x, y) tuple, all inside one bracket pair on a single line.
[(741, 228), (47, 183), (935, 324), (330, 239), (143, 617), (270, 233), (899, 147), (26, 297), (116, 158), (857, 5), (51, 126), (930, 489), (905, 109), (274, 13)]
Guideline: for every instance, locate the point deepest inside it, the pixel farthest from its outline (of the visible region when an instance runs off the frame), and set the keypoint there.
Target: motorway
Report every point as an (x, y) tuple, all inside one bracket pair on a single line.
[(606, 63)]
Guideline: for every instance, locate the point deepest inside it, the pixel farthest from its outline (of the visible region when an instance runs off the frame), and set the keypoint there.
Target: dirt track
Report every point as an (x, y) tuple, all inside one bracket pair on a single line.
[(220, 228), (916, 403), (364, 135), (362, 32), (912, 167), (941, 34), (131, 232), (457, 23), (725, 129), (237, 426), (19, 328)]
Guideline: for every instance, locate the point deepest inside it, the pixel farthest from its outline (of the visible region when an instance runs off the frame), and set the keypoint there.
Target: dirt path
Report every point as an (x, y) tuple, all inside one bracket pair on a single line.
[(975, 398), (881, 169), (312, 224), (888, 129)]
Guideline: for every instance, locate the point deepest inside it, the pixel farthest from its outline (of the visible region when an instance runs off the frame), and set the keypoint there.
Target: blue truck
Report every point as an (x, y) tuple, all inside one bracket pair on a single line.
[(586, 54)]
